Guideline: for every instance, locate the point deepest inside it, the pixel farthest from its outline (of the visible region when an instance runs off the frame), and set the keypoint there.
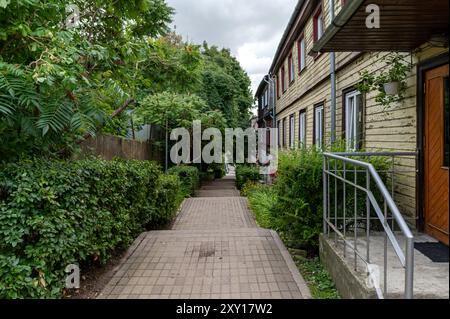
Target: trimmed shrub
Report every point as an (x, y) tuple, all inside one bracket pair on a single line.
[(219, 170), (169, 195), (189, 177), (246, 173), (294, 205), (53, 214), (298, 209), (208, 175)]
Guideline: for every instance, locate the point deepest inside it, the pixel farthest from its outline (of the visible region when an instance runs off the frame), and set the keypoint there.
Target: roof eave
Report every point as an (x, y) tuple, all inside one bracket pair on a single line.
[(347, 12)]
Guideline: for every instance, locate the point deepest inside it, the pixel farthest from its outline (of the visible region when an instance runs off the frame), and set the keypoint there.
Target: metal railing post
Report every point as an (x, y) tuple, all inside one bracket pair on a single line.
[(325, 195), (368, 217), (409, 280), (355, 228), (335, 201), (386, 223), (405, 255), (344, 206)]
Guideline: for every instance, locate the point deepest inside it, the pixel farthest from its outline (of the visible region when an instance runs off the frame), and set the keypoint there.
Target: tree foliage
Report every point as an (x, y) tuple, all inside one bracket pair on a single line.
[(226, 86), (59, 81), (62, 75)]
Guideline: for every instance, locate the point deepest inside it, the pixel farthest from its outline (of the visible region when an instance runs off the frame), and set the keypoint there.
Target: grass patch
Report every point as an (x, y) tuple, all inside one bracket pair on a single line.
[(318, 279), (262, 203)]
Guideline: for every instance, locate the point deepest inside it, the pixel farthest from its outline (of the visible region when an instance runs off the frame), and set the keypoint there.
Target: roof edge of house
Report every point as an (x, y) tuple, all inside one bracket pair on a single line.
[(295, 15)]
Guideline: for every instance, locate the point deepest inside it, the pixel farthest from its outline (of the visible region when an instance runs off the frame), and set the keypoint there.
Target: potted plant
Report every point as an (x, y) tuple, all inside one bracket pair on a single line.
[(392, 88), (391, 84), (395, 80)]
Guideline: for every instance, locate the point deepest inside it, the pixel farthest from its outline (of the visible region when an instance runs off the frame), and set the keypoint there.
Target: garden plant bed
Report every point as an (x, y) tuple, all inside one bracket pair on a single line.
[(94, 278)]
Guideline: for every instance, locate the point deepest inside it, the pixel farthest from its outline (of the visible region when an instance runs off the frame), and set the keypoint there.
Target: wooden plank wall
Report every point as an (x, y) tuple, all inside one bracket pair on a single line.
[(109, 147), (392, 129)]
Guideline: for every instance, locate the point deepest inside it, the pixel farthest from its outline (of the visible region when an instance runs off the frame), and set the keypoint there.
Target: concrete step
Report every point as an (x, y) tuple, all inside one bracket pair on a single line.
[(431, 280), (218, 187), (218, 193)]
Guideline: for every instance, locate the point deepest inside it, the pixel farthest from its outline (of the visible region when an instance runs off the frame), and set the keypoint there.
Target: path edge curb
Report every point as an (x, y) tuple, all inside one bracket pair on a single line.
[(299, 280)]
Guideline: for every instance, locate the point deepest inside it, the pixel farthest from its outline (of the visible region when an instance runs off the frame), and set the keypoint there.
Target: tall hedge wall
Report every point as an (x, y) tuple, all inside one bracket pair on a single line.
[(53, 214)]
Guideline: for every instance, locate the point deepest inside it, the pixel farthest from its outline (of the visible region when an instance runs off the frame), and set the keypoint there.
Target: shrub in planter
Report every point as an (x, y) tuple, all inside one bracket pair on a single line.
[(53, 214), (246, 173), (189, 177)]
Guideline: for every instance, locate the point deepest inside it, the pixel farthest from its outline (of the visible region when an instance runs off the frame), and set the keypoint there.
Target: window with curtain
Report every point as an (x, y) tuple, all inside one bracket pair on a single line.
[(301, 53), (292, 131), (302, 129), (353, 120), (319, 126)]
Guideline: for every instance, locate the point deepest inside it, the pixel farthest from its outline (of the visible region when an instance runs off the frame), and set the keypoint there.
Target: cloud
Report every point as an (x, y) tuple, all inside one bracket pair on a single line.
[(251, 29)]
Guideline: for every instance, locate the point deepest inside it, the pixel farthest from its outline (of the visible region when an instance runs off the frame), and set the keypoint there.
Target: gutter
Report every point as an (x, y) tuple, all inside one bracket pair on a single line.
[(287, 31), (348, 11)]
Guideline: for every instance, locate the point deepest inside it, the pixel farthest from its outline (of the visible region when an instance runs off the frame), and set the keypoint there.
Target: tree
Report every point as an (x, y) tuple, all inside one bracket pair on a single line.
[(226, 86), (59, 83)]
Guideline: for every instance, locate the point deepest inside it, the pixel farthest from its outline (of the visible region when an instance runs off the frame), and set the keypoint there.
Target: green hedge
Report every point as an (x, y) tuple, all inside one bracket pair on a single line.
[(219, 170), (53, 214), (245, 174), (189, 177), (294, 205), (299, 202)]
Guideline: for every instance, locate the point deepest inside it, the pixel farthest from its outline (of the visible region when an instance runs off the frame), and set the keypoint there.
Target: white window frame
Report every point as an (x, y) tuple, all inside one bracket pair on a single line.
[(292, 131), (291, 66), (302, 49), (266, 98), (318, 126), (352, 120), (302, 130), (319, 21)]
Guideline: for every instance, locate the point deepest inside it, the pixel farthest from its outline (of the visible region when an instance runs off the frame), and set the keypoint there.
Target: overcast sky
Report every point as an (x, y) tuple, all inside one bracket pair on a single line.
[(252, 29)]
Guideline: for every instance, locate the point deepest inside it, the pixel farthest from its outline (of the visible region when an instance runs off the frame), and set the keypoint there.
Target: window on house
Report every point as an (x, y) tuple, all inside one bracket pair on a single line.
[(292, 131), (278, 86), (279, 133), (283, 77), (302, 129), (284, 132), (353, 120), (301, 53), (291, 69), (319, 126), (318, 25), (266, 98)]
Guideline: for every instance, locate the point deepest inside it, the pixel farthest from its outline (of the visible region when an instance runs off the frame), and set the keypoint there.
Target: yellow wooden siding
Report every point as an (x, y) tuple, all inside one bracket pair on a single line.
[(385, 129)]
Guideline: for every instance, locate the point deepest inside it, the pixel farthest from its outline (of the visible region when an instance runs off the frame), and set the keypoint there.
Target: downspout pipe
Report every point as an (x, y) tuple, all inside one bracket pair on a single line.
[(333, 82)]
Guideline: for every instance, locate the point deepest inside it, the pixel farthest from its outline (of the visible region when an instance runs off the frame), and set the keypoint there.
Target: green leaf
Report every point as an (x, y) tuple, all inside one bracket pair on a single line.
[(4, 3)]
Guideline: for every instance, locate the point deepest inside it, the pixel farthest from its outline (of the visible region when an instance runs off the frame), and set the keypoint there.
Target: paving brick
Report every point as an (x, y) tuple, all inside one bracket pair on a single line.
[(214, 251)]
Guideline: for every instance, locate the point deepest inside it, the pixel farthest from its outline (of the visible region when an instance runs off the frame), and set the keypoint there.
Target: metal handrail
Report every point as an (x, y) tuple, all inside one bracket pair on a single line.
[(407, 259)]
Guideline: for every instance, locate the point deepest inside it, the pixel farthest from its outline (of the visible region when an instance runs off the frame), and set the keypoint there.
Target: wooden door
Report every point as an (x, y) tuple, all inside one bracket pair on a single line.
[(436, 153)]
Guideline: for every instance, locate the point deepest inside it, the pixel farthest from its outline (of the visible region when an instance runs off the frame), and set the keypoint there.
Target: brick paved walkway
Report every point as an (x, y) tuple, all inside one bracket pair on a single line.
[(214, 251)]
